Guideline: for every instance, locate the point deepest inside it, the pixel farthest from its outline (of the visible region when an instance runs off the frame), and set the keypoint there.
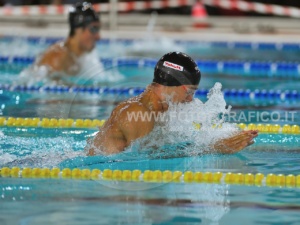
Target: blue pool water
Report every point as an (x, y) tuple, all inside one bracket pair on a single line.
[(71, 202), (53, 201), (30, 201)]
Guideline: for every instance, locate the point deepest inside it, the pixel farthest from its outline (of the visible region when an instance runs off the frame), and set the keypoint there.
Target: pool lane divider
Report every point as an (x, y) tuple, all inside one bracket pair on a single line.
[(50, 122), (273, 46), (238, 67), (88, 123), (156, 176), (232, 93)]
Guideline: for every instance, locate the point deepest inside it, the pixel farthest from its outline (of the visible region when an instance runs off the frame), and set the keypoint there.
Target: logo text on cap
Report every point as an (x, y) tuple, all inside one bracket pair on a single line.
[(173, 66)]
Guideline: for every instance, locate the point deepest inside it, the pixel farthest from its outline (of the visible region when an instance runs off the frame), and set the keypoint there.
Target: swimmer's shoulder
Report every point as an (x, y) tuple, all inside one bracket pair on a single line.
[(55, 52), (55, 57), (129, 106), (132, 105), (131, 120)]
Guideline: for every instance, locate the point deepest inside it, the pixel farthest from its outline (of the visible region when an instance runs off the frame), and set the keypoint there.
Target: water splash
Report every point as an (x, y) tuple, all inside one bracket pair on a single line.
[(34, 75), (152, 22), (18, 46), (91, 72), (176, 127), (37, 151), (153, 45)]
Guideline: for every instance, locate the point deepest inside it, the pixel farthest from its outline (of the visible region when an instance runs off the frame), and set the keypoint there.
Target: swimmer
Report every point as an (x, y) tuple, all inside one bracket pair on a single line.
[(62, 57), (176, 79)]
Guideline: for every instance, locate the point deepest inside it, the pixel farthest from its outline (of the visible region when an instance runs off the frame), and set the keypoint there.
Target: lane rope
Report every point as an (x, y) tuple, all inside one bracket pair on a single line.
[(238, 67), (280, 46), (157, 176), (279, 95), (88, 123)]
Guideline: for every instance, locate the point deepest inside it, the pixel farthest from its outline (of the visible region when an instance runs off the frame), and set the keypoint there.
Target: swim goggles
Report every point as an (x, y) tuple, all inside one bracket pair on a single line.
[(94, 29)]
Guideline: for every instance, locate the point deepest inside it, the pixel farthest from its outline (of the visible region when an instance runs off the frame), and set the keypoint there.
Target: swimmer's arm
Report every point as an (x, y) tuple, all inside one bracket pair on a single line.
[(114, 140), (100, 145), (133, 129), (236, 143)]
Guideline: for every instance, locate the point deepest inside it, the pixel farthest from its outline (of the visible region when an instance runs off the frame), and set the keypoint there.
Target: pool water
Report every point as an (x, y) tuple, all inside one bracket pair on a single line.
[(89, 202), (70, 201), (31, 201)]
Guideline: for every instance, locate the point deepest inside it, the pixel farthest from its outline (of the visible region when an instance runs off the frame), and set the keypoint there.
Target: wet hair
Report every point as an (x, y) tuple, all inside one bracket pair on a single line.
[(176, 69), (81, 15)]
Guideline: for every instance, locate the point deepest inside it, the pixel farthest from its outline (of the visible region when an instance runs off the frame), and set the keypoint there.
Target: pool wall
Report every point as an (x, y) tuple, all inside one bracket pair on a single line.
[(179, 27)]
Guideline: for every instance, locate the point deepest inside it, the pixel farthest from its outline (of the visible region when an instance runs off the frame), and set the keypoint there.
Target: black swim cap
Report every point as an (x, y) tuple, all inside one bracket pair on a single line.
[(176, 69), (81, 14)]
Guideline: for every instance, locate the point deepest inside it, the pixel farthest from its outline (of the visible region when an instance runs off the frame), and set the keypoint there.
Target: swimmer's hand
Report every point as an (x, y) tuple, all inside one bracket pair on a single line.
[(236, 143)]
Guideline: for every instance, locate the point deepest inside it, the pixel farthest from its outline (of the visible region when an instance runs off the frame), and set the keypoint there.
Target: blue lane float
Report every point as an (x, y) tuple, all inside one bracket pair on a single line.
[(131, 91), (218, 44), (241, 68)]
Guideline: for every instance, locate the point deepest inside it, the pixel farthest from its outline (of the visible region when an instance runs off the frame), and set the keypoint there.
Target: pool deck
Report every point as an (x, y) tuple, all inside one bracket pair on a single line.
[(252, 29)]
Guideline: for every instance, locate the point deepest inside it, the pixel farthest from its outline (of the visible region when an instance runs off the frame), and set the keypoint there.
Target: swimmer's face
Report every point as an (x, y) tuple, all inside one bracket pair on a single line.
[(89, 35), (184, 93)]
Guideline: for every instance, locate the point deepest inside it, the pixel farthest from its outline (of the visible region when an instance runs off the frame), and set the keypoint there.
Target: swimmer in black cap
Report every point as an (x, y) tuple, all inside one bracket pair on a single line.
[(176, 78), (63, 57)]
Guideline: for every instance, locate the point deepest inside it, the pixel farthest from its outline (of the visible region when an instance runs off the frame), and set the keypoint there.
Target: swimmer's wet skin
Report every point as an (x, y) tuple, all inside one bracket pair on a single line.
[(176, 77), (84, 32)]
